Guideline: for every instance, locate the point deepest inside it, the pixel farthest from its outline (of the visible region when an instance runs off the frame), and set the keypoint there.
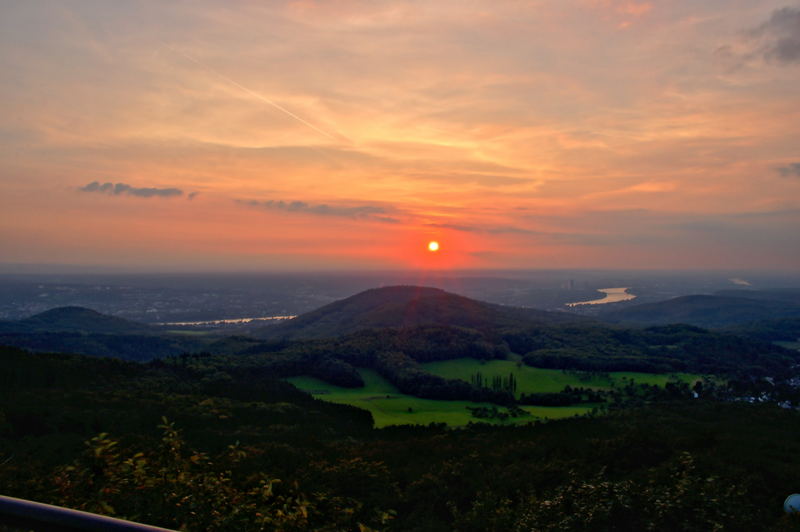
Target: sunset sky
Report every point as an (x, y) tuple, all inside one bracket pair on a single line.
[(252, 135)]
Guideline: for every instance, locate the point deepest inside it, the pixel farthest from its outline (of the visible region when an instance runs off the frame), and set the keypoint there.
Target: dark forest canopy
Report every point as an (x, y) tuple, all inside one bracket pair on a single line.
[(285, 460), (76, 320)]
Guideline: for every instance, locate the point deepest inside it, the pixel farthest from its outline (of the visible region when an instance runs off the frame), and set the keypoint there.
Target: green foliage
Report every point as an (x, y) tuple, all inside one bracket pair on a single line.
[(492, 412), (682, 499), (785, 329), (172, 485), (507, 383)]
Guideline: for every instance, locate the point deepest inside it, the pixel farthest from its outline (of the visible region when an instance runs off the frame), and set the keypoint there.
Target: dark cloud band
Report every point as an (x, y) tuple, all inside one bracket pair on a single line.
[(124, 189), (371, 212)]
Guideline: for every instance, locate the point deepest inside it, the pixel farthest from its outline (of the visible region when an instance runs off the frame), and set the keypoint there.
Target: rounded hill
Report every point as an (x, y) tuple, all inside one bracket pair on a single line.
[(81, 319), (408, 306)]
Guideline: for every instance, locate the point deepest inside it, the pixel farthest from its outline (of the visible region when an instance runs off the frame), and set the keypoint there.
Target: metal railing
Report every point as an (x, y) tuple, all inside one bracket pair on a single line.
[(30, 515)]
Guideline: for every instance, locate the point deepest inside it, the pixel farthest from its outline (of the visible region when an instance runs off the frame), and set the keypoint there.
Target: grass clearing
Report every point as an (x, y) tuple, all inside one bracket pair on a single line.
[(540, 380), (390, 407)]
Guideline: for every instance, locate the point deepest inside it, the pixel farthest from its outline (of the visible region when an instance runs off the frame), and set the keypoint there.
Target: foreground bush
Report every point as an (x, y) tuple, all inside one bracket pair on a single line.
[(177, 487)]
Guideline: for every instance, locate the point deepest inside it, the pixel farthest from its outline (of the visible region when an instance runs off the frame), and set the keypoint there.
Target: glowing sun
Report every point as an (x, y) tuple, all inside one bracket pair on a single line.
[(433, 245)]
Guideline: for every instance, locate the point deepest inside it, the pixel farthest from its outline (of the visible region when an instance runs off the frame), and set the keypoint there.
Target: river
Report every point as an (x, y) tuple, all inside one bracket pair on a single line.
[(612, 295), (225, 322)]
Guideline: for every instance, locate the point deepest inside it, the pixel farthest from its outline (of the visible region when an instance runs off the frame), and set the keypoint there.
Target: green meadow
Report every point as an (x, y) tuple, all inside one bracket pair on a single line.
[(541, 380), (189, 332), (390, 407)]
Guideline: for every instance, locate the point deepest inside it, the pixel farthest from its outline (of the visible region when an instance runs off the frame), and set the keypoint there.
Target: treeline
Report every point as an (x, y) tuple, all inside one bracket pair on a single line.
[(666, 349), (492, 412), (410, 378), (568, 396), (785, 329), (507, 383), (138, 347)]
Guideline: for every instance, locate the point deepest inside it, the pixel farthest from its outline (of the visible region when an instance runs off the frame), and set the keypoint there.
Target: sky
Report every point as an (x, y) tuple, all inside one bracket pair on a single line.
[(347, 134)]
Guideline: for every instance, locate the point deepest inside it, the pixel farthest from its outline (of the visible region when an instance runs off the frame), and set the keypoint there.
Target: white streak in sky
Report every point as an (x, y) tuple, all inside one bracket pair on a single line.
[(253, 93)]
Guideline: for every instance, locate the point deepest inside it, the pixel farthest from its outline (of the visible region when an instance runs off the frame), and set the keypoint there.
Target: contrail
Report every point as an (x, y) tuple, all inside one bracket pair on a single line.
[(254, 94)]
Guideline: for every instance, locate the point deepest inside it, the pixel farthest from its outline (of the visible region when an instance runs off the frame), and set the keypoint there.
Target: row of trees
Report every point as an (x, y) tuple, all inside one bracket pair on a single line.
[(497, 382), (663, 349)]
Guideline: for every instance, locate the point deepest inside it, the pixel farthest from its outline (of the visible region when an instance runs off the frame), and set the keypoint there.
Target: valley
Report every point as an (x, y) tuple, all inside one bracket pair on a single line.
[(389, 406)]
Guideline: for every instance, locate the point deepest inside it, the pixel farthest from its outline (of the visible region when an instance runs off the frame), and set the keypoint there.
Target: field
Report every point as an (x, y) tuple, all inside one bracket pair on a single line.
[(790, 345), (188, 332), (390, 407), (546, 380)]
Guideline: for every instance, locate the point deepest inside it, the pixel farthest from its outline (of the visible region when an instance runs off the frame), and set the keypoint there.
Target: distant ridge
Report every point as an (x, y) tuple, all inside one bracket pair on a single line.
[(85, 331), (787, 295), (408, 306), (79, 319), (706, 311)]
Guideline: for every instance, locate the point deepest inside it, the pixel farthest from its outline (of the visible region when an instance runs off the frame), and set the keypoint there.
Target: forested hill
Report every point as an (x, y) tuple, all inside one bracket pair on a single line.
[(787, 295), (85, 331), (706, 311), (75, 320), (409, 306)]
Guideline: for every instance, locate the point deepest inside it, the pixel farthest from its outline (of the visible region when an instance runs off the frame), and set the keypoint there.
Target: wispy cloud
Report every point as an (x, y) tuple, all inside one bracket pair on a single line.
[(623, 7), (647, 187), (378, 213), (560, 237), (492, 230), (124, 189)]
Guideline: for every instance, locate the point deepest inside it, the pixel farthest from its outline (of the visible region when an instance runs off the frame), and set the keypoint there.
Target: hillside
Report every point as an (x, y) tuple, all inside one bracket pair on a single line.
[(705, 311), (75, 320), (85, 331), (408, 306), (787, 295), (785, 329)]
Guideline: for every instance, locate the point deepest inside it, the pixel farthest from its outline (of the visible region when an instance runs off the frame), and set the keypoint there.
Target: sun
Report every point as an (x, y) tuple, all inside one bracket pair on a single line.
[(433, 245)]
